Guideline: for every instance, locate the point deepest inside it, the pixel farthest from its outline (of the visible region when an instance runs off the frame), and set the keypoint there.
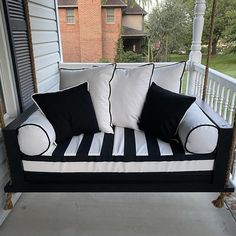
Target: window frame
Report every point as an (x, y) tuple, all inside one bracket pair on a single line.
[(72, 16), (7, 78), (107, 16)]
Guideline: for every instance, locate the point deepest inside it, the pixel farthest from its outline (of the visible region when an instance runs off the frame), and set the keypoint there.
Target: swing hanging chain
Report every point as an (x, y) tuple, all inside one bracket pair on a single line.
[(213, 14)]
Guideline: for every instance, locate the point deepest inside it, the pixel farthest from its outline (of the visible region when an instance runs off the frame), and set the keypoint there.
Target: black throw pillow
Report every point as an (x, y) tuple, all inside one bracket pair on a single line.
[(162, 112), (69, 111)]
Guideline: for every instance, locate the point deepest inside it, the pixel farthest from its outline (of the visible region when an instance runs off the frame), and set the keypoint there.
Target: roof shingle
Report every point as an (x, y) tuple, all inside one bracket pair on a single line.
[(134, 8), (130, 32), (67, 3), (113, 3)]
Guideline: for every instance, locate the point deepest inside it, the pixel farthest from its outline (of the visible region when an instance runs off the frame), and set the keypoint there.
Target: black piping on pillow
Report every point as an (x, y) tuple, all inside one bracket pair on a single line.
[(185, 144), (110, 95), (49, 142)]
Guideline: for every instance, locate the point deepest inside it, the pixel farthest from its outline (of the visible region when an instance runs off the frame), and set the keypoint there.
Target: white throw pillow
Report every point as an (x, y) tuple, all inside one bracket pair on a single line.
[(170, 76), (128, 92), (99, 79)]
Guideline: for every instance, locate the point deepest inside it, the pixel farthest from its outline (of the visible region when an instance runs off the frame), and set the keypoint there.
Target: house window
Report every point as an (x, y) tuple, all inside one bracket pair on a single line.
[(70, 16), (110, 15)]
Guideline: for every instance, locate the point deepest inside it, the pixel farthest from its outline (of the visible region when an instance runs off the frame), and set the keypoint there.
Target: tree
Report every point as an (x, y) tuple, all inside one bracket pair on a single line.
[(119, 50), (224, 21), (230, 32), (170, 24), (129, 56)]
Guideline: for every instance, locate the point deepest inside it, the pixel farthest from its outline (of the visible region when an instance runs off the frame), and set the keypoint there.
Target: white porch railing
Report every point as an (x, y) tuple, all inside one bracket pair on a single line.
[(221, 94), (221, 91)]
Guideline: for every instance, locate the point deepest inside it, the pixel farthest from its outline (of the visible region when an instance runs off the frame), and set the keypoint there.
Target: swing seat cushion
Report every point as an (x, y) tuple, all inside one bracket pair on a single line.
[(196, 133), (125, 151)]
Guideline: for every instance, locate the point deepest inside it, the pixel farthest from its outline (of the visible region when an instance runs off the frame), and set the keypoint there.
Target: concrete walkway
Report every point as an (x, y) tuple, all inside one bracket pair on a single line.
[(113, 214)]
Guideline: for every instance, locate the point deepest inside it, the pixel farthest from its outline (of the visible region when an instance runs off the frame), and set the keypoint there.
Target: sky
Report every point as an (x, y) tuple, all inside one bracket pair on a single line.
[(153, 4)]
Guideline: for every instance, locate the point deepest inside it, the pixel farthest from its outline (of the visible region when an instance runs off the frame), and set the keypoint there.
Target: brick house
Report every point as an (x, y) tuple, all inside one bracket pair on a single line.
[(90, 29)]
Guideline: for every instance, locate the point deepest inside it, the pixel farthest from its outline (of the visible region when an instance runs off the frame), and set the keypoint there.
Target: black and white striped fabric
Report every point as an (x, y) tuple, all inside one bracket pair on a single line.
[(126, 151)]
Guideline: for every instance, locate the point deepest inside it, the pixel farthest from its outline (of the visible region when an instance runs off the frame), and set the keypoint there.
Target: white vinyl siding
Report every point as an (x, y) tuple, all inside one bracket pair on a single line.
[(44, 30), (43, 19), (8, 95)]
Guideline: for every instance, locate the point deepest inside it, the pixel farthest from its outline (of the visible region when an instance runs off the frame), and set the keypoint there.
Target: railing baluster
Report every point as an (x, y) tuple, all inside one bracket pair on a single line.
[(226, 104), (231, 107), (212, 95), (196, 84), (199, 85), (216, 98), (208, 93), (221, 99), (201, 80)]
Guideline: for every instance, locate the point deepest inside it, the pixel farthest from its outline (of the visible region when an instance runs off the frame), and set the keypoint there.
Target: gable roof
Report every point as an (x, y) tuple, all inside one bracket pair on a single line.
[(113, 3), (133, 8), (67, 3)]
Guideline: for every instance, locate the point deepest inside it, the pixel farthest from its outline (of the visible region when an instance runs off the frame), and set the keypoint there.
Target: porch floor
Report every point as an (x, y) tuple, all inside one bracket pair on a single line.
[(105, 214)]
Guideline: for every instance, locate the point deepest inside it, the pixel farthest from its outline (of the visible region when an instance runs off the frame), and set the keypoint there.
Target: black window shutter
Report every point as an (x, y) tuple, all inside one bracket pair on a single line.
[(15, 14)]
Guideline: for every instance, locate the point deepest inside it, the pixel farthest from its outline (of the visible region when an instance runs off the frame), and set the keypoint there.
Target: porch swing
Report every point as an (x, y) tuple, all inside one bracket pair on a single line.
[(215, 180)]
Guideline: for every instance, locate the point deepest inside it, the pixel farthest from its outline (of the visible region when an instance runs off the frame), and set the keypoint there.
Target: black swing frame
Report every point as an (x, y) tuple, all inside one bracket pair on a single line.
[(217, 183)]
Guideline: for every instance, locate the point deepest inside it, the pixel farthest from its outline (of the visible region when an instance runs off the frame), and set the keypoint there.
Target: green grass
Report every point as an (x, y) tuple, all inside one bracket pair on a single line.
[(223, 63)]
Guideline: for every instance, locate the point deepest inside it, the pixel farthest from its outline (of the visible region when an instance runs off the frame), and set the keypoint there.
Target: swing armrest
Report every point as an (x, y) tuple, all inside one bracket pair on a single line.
[(212, 115)]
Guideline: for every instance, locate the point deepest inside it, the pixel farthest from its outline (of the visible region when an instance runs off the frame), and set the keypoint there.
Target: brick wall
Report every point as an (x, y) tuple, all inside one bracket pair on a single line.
[(110, 34), (90, 30), (90, 39), (70, 37)]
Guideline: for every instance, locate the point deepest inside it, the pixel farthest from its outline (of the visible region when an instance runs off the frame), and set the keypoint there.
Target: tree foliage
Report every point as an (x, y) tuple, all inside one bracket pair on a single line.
[(170, 24), (225, 21), (173, 20)]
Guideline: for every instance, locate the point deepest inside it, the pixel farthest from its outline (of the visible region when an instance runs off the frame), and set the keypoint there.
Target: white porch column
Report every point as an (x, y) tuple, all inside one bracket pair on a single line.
[(195, 54)]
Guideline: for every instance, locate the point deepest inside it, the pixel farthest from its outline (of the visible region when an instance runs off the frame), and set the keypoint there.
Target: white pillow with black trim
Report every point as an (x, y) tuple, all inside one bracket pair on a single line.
[(99, 79), (36, 135), (197, 132), (128, 92), (170, 76)]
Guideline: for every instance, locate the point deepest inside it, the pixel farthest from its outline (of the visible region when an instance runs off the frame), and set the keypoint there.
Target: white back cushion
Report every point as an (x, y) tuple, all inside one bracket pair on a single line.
[(169, 77), (128, 92), (197, 133), (36, 135), (99, 87)]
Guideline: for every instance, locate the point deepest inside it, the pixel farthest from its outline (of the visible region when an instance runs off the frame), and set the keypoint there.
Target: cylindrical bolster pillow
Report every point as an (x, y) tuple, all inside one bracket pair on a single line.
[(197, 133), (36, 135)]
